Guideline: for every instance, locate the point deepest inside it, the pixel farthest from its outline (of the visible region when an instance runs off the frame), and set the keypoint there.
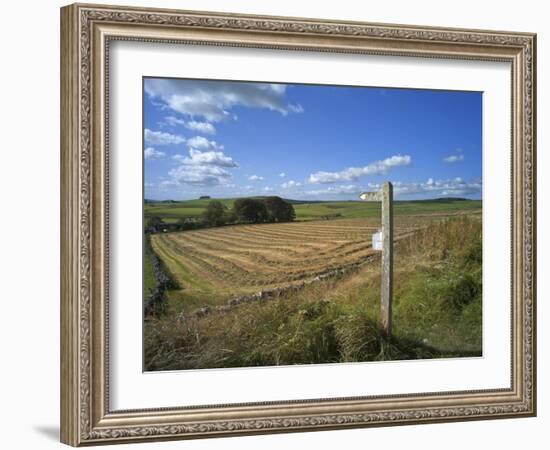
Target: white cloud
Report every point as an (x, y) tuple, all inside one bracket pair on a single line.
[(268, 189), (455, 187), (255, 178), (451, 187), (201, 127), (201, 143), (206, 175), (174, 121), (162, 138), (282, 174), (296, 108), (354, 173), (211, 158), (349, 189), (291, 184), (212, 100), (454, 158), (151, 153), (208, 168)]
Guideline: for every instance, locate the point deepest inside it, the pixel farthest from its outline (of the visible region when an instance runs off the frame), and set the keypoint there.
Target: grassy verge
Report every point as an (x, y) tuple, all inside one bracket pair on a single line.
[(437, 313), (149, 281), (157, 281)]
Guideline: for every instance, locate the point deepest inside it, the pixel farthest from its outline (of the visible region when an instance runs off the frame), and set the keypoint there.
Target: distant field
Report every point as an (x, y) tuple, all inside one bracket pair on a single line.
[(172, 211), (312, 211)]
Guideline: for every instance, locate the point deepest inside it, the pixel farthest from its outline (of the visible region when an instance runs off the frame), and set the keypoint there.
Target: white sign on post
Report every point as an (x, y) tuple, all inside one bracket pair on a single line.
[(377, 241)]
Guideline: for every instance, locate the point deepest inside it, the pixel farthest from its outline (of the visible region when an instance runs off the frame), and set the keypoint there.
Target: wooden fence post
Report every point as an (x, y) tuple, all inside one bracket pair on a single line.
[(387, 259), (385, 195)]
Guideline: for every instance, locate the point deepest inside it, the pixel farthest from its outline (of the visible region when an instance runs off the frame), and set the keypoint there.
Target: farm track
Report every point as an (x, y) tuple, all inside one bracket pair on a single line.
[(237, 260)]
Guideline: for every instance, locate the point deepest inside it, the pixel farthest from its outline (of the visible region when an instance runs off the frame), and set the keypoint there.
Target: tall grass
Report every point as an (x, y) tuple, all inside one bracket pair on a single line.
[(440, 297), (437, 313)]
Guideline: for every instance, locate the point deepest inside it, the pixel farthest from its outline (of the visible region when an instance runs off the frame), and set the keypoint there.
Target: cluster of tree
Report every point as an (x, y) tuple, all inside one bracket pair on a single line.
[(155, 224), (216, 214), (249, 210)]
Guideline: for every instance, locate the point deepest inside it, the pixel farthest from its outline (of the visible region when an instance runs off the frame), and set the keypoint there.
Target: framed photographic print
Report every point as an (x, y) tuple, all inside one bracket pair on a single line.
[(276, 224)]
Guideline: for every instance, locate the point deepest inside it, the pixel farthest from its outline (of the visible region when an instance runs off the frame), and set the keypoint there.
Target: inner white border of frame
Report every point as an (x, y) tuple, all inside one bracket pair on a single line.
[(131, 388)]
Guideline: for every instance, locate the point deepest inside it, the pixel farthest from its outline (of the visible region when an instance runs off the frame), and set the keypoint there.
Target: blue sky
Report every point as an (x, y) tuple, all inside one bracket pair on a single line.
[(235, 139)]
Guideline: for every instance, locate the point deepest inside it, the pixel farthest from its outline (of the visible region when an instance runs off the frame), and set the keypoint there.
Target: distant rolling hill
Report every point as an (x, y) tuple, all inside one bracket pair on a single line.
[(172, 210)]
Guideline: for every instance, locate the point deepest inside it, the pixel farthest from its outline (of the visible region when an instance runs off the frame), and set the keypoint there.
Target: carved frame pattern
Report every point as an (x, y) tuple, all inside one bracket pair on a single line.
[(86, 418)]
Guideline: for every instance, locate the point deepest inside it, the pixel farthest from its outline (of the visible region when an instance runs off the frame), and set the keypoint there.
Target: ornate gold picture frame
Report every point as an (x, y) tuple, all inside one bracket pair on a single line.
[(87, 32)]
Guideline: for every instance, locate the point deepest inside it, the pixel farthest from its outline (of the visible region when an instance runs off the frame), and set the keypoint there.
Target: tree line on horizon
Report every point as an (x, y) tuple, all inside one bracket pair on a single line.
[(249, 210), (244, 211)]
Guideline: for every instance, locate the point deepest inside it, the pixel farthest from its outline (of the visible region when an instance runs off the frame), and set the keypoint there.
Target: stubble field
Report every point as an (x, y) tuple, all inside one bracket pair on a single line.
[(212, 266)]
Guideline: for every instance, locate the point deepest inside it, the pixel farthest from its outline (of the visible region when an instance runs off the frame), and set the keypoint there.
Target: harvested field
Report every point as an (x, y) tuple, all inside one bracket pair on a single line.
[(214, 265), (437, 295)]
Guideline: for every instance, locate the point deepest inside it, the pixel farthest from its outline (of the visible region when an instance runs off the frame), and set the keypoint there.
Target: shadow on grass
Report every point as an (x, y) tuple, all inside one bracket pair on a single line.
[(403, 348)]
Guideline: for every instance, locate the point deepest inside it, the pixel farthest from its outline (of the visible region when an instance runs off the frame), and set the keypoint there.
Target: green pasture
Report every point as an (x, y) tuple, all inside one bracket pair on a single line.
[(172, 211)]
